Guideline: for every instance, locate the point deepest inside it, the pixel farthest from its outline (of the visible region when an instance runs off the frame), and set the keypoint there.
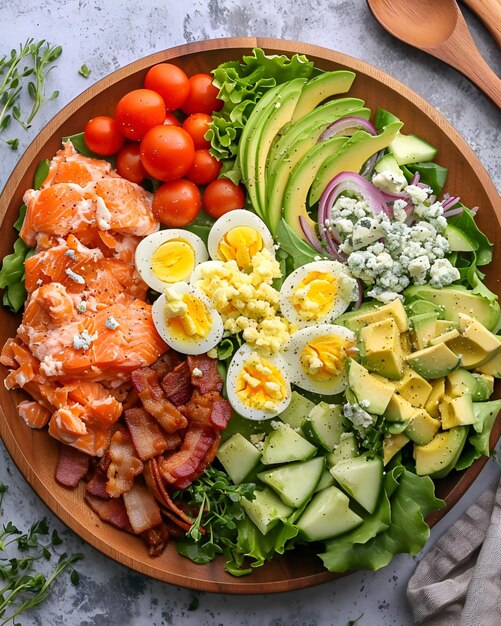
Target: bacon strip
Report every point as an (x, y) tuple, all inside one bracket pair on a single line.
[(97, 484), (209, 379), (155, 483), (72, 466), (124, 466), (156, 539), (142, 510), (208, 409), (184, 463), (112, 511), (166, 363), (177, 384), (145, 433), (221, 413), (210, 455), (145, 381)]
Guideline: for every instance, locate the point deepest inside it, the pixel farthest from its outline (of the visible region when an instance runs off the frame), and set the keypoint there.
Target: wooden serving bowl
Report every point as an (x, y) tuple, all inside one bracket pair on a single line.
[(35, 452)]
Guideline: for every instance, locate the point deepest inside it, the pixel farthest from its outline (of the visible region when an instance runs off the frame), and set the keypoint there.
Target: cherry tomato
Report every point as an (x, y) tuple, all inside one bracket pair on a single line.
[(102, 135), (222, 196), (204, 168), (138, 111), (170, 82), (203, 96), (128, 164), (197, 125), (171, 120), (177, 203), (167, 152)]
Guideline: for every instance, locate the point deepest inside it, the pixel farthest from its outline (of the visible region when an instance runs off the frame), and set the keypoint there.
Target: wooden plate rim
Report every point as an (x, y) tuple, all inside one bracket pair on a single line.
[(240, 586)]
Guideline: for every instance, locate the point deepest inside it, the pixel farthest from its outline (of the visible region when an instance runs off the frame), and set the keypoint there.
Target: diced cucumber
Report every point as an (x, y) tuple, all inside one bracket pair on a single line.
[(411, 149), (388, 163), (297, 411), (295, 482), (346, 449), (327, 515), (266, 509), (326, 480), (238, 457), (361, 478), (324, 425), (458, 240), (284, 444)]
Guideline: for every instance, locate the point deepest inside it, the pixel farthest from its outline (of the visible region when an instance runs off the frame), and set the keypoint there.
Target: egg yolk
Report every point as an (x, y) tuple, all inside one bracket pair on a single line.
[(260, 385), (193, 321), (173, 261), (323, 358), (314, 297), (240, 244)]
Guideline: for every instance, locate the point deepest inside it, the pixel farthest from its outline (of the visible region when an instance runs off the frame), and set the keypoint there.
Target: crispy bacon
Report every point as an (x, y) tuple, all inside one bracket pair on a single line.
[(154, 481), (166, 363), (112, 511), (142, 509), (154, 400), (221, 413), (156, 539), (208, 408), (177, 384), (209, 379), (125, 464), (145, 433), (210, 455), (184, 463), (97, 484), (72, 466)]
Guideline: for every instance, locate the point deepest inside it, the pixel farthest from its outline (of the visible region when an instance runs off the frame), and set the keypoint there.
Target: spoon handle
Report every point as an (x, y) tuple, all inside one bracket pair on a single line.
[(489, 11), (461, 52)]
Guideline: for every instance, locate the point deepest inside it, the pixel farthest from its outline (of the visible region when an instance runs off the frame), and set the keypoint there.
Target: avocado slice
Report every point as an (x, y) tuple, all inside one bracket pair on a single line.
[(422, 427), (372, 394), (413, 387), (437, 458), (392, 444), (320, 88), (456, 300), (272, 119), (477, 345), (325, 114), (435, 397), (492, 367), (460, 382), (485, 387), (303, 175), (361, 317), (381, 350), (457, 411), (433, 362), (399, 409), (352, 156), (423, 326)]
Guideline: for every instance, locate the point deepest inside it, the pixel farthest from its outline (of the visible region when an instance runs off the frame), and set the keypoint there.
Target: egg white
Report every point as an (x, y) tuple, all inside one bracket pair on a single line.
[(292, 355), (347, 291), (200, 346), (148, 246), (233, 219), (240, 357)]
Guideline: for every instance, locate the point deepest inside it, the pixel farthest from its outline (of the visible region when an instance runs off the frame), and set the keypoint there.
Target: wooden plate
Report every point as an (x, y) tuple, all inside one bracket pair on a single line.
[(35, 453)]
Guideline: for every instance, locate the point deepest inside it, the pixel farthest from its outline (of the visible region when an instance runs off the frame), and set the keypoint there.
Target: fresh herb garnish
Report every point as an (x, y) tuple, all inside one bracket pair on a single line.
[(84, 71), (20, 554), (219, 504)]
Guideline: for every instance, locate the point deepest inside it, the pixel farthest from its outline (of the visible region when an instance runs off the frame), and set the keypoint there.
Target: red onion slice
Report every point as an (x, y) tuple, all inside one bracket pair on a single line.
[(310, 234), (346, 127), (360, 297), (453, 212), (449, 202)]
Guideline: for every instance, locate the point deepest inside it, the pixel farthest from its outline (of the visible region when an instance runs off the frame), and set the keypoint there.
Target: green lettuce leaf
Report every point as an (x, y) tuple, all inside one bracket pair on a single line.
[(12, 276), (478, 443), (412, 499), (430, 174), (299, 251), (465, 221), (241, 85)]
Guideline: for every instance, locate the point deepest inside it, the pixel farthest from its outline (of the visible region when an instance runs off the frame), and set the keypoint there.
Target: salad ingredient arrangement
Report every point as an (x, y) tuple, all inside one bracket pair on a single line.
[(320, 345)]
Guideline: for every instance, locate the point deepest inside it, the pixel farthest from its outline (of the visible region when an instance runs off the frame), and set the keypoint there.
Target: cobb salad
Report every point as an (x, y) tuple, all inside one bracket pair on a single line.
[(253, 319)]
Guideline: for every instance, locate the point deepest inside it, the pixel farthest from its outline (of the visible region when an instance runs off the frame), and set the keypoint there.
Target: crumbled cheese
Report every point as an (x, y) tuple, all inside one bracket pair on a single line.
[(74, 276), (358, 416), (83, 340), (82, 307), (103, 215), (39, 282), (71, 254), (388, 181), (111, 323), (197, 372)]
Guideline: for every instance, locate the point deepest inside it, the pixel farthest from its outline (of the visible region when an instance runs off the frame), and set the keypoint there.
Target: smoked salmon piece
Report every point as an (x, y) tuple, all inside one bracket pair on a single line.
[(33, 413), (70, 167)]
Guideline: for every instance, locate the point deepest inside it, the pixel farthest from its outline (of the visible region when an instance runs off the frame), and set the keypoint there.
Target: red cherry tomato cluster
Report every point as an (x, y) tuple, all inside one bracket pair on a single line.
[(159, 132)]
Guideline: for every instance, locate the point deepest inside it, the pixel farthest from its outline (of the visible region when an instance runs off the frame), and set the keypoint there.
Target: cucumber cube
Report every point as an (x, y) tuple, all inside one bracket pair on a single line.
[(238, 457)]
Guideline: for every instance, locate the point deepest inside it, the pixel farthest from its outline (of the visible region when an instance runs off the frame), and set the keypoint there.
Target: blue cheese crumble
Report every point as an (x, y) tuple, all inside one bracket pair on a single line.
[(71, 254), (391, 254), (77, 278), (111, 323), (82, 307), (83, 340), (358, 416)]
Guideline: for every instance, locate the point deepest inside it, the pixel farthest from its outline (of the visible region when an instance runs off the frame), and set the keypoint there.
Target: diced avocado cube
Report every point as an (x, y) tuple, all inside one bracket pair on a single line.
[(422, 427), (369, 391), (423, 326), (413, 387), (381, 350), (492, 367), (433, 362), (399, 409), (238, 457), (435, 398), (476, 345), (445, 337), (394, 310), (456, 411), (392, 444)]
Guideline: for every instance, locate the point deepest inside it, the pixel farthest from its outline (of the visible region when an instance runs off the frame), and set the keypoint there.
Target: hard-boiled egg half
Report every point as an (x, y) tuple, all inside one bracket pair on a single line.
[(238, 236), (317, 292), (186, 320), (258, 387), (168, 257), (316, 356)]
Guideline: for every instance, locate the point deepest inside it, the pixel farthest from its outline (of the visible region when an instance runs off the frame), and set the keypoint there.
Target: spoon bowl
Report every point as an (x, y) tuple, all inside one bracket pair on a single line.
[(438, 28)]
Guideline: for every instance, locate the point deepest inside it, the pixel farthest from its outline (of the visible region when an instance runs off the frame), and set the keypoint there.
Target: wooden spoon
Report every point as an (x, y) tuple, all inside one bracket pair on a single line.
[(438, 28), (489, 11)]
